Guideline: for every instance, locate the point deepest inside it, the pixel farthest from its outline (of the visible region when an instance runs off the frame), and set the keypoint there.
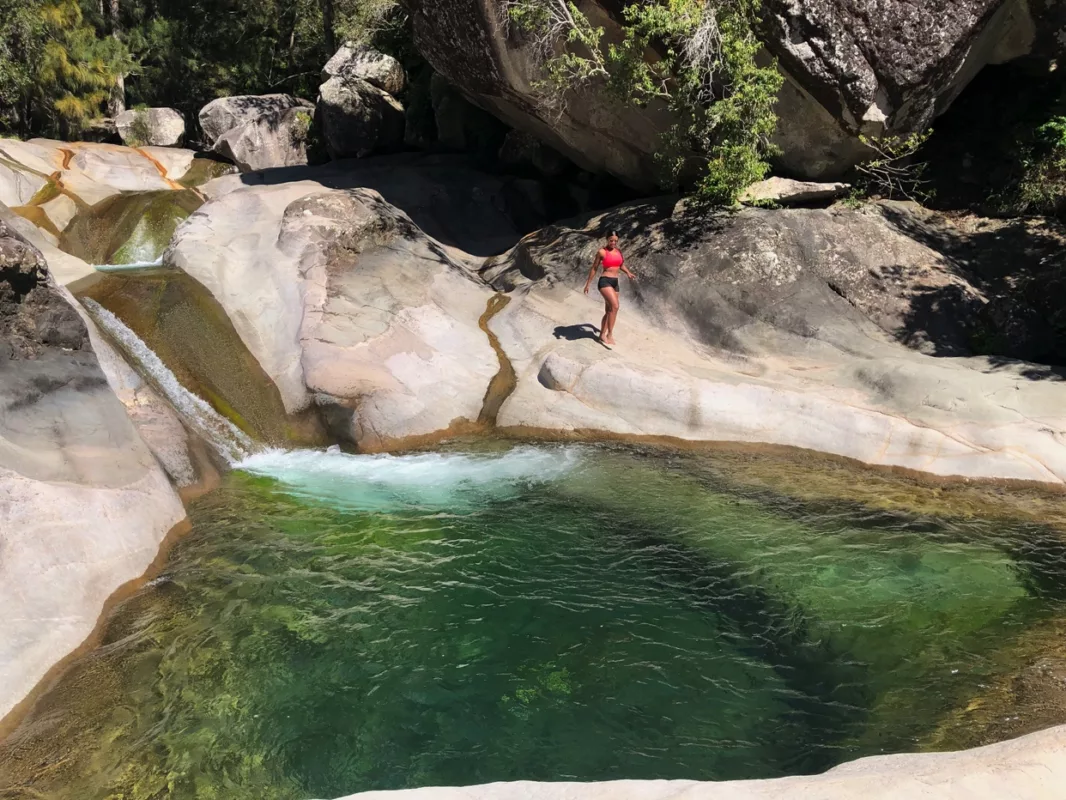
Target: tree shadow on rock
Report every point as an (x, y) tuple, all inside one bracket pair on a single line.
[(1015, 306)]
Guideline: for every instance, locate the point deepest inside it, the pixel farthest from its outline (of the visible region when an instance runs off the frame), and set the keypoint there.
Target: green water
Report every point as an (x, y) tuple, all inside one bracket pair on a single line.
[(336, 623)]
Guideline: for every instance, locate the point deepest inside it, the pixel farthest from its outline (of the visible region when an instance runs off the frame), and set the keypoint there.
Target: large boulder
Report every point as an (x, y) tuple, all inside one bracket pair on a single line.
[(278, 139), (377, 69), (358, 118), (159, 127), (852, 68), (460, 124), (72, 468), (226, 113), (348, 306)]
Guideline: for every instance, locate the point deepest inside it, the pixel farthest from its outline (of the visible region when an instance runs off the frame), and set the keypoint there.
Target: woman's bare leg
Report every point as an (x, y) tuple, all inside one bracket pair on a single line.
[(610, 300)]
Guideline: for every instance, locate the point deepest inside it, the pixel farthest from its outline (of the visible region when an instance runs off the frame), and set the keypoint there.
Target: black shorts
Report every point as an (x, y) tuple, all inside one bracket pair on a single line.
[(605, 281)]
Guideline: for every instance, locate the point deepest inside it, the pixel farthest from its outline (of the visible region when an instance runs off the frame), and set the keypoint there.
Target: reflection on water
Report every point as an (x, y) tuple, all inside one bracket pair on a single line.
[(338, 623)]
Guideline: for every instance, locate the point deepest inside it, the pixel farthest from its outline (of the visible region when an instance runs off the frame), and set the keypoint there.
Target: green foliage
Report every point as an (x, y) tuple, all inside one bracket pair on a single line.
[(896, 171), (367, 21), (698, 57), (56, 72), (61, 59), (1039, 185)]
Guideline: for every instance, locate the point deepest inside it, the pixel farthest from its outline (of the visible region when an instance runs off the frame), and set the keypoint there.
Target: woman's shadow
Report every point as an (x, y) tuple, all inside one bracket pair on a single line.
[(573, 333)]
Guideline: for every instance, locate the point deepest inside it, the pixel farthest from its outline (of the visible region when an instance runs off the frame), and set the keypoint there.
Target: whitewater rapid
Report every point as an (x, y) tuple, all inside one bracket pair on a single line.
[(444, 481)]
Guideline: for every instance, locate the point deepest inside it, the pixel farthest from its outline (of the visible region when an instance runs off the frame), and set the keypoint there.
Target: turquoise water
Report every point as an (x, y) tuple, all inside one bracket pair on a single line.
[(339, 623)]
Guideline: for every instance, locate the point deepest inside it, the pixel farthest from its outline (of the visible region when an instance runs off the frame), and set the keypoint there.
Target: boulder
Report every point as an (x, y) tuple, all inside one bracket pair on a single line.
[(356, 311), (278, 139), (787, 192), (377, 69), (358, 118), (226, 113), (159, 127), (849, 70), (71, 465)]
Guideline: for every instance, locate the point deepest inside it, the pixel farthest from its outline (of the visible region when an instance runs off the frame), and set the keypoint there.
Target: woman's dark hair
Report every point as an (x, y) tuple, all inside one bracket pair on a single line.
[(612, 233)]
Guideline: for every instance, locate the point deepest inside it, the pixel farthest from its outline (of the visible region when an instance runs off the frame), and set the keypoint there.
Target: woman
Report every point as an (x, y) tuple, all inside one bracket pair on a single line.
[(612, 260)]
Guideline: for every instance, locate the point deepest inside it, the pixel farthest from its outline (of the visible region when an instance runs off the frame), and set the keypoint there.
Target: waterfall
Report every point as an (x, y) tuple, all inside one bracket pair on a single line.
[(231, 443)]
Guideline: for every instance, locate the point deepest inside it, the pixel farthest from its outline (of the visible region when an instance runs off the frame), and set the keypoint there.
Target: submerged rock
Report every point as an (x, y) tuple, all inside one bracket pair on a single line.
[(159, 127)]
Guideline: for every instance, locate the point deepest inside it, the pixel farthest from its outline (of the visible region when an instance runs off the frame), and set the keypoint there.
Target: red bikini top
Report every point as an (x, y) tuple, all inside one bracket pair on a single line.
[(612, 259)]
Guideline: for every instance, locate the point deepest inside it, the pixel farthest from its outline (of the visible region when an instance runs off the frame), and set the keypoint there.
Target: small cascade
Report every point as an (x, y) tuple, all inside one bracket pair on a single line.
[(230, 442), (132, 267)]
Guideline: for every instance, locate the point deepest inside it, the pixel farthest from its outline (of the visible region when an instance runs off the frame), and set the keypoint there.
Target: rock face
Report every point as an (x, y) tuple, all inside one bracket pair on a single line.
[(894, 67), (852, 67), (258, 131), (159, 127), (83, 504), (377, 69), (45, 184), (847, 331), (358, 118), (772, 326), (1030, 768), (346, 302)]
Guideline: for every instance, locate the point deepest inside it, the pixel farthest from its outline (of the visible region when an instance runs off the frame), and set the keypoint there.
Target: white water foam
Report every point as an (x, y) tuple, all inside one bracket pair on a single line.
[(445, 481), (136, 265), (231, 443)]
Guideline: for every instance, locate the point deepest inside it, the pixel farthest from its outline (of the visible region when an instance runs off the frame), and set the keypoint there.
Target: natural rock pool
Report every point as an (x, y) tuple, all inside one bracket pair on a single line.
[(335, 623)]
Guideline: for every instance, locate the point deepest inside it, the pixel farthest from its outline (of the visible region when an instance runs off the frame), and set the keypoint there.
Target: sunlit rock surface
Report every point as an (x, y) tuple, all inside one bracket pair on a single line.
[(1030, 768), (84, 505), (772, 326)]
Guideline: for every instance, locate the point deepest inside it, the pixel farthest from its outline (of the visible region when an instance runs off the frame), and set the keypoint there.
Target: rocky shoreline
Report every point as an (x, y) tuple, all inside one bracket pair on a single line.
[(363, 294)]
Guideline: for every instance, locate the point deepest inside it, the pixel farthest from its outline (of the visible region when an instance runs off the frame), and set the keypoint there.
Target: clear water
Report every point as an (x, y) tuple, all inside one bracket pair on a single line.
[(339, 623)]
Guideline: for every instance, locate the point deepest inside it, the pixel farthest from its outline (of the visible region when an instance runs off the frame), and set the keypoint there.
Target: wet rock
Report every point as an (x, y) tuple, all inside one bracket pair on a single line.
[(159, 127)]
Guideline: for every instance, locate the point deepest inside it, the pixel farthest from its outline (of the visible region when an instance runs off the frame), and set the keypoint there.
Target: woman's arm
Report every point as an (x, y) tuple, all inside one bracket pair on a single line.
[(625, 269), (592, 272)]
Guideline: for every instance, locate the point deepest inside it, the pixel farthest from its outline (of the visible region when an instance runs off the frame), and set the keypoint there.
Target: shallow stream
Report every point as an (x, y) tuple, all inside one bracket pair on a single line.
[(337, 623)]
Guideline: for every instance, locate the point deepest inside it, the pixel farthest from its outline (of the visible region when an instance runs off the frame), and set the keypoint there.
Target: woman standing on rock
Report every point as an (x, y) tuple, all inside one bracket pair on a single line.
[(612, 261)]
